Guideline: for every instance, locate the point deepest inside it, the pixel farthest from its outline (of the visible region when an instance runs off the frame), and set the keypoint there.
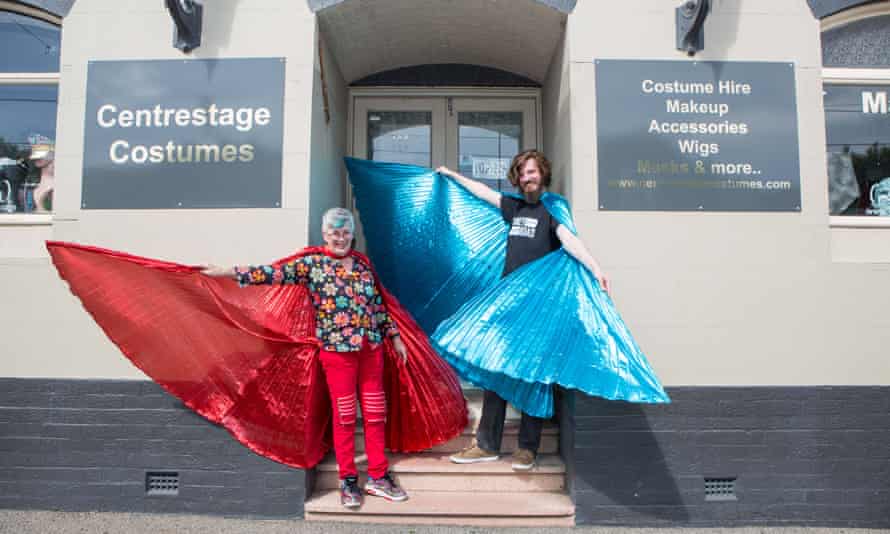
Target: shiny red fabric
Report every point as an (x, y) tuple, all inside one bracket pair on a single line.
[(247, 359)]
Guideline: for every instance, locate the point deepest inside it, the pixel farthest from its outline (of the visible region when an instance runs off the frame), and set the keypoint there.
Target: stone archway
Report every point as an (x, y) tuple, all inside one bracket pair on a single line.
[(367, 37)]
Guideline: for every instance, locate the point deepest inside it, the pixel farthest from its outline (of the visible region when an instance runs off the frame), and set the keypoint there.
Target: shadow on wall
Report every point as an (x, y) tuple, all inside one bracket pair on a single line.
[(719, 39), (219, 18), (621, 474)]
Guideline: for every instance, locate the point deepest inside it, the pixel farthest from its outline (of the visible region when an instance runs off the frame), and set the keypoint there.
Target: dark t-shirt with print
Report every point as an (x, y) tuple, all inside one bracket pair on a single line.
[(532, 232)]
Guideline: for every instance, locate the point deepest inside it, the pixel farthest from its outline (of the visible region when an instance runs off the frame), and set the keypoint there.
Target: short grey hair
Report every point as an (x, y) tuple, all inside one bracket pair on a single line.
[(336, 218)]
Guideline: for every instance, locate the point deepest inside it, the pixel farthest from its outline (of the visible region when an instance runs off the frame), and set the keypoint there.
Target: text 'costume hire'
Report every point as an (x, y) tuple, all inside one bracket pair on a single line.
[(546, 323), (248, 359)]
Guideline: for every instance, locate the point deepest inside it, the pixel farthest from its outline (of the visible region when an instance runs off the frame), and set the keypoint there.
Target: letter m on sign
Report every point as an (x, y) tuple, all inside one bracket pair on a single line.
[(874, 102)]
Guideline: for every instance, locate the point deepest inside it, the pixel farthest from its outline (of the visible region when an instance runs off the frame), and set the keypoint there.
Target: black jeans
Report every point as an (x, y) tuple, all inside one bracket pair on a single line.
[(491, 426)]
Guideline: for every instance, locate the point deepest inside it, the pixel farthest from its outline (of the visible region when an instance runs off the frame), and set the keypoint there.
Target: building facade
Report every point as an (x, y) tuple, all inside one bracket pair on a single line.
[(756, 286)]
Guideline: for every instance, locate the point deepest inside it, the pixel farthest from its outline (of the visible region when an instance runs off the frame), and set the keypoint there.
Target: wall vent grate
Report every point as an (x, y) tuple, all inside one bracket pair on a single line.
[(720, 489), (161, 483)]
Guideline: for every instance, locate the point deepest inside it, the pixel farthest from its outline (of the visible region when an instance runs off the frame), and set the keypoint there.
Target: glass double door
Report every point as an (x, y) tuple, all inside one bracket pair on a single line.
[(478, 137)]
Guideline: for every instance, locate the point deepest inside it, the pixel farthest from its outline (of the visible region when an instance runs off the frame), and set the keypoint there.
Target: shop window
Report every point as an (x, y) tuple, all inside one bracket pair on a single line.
[(856, 86), (857, 123), (29, 74)]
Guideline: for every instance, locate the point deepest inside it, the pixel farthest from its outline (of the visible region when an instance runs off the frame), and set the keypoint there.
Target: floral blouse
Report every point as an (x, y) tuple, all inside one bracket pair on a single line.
[(348, 306)]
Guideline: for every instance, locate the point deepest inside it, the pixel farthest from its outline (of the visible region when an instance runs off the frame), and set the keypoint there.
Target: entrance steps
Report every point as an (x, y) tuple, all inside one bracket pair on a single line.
[(442, 492)]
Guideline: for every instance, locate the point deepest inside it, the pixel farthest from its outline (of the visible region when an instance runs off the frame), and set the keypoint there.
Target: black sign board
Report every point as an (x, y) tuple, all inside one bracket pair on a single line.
[(183, 134), (692, 135)]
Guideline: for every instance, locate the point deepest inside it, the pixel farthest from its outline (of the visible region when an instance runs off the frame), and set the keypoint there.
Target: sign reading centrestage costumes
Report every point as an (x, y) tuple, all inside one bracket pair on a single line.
[(183, 134), (683, 135)]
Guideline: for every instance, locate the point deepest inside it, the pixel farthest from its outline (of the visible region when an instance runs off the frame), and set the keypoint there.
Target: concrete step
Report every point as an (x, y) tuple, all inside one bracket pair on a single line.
[(549, 437), (450, 508), (509, 442), (435, 472)]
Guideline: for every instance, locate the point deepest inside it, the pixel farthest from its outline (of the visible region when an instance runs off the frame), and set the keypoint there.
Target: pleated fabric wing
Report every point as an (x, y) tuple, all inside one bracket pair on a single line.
[(546, 323), (246, 358), (434, 245)]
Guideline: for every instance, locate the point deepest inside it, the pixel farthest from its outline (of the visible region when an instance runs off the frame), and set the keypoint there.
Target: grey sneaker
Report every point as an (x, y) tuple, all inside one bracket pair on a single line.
[(474, 454), (350, 494), (385, 487), (523, 460)]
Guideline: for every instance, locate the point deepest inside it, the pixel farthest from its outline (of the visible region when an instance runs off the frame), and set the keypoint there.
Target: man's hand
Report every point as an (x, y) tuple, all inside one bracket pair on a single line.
[(478, 189), (445, 170), (400, 348), (216, 270), (603, 281)]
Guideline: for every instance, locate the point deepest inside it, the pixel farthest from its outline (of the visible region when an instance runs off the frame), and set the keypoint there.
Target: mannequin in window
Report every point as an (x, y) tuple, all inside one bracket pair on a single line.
[(43, 157)]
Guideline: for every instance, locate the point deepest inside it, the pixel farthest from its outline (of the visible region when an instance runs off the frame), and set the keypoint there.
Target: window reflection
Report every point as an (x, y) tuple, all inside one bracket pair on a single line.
[(400, 137), (28, 44), (858, 130), (27, 148), (487, 142)]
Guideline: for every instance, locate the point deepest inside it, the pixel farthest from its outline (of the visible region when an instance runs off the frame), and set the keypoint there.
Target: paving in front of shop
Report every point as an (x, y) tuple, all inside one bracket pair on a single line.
[(47, 522)]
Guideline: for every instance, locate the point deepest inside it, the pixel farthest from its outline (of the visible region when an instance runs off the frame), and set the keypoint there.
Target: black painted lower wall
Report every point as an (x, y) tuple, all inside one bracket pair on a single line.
[(799, 456), (88, 444)]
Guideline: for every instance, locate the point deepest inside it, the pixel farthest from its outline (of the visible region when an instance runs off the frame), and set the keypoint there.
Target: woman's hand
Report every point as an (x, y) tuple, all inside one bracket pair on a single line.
[(444, 170), (400, 348), (216, 270)]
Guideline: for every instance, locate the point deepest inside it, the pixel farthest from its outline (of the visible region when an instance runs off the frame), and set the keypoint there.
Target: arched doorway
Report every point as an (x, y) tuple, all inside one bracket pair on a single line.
[(468, 87)]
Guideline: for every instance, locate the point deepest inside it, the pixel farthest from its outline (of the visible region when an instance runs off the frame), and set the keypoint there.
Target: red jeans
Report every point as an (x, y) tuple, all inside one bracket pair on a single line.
[(344, 371)]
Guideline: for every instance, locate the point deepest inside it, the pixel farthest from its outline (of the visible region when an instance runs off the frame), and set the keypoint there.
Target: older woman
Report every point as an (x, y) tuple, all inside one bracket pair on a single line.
[(351, 322)]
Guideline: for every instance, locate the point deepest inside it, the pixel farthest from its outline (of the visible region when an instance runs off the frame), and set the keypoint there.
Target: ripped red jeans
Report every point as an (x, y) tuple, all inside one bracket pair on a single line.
[(346, 373)]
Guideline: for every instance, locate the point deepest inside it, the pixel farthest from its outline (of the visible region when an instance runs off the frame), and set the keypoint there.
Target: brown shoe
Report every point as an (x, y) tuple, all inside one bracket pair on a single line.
[(474, 454), (523, 460)]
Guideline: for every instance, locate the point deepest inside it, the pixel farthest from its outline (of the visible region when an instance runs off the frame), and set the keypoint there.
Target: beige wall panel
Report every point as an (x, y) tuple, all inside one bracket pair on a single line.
[(219, 236), (48, 334), (102, 30), (232, 28), (557, 119), (744, 329), (67, 195), (327, 173), (723, 351), (23, 241), (582, 102), (811, 132), (77, 347), (644, 29), (731, 298), (710, 240), (859, 294), (295, 186), (861, 245)]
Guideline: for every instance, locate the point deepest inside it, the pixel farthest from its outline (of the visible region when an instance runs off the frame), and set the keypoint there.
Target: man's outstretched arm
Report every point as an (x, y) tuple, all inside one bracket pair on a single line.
[(576, 248), (477, 188)]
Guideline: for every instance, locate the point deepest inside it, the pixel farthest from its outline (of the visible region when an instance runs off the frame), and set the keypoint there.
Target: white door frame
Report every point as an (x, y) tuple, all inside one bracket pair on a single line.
[(531, 134), (435, 106), (406, 93), (462, 98)]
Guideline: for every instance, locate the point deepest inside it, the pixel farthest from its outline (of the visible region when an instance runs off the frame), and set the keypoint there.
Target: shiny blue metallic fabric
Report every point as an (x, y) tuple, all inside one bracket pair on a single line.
[(433, 244), (441, 251)]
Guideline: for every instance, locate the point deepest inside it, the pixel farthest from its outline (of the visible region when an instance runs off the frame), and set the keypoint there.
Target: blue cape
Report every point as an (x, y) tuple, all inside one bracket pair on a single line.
[(441, 251)]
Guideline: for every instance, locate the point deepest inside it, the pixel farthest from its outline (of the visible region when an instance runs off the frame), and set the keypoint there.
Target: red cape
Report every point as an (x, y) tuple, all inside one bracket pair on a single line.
[(247, 358)]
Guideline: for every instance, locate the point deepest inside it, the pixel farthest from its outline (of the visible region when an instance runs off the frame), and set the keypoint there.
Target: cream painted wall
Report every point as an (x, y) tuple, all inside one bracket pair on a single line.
[(729, 298), (47, 333), (557, 119), (327, 173), (713, 298)]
